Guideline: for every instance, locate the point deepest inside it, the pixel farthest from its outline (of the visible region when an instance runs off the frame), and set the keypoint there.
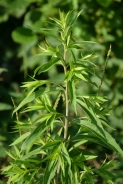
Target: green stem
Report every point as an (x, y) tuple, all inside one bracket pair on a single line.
[(109, 51), (66, 99)]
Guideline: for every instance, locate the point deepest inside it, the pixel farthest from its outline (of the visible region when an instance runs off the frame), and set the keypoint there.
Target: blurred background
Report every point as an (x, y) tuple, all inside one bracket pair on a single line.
[(100, 21)]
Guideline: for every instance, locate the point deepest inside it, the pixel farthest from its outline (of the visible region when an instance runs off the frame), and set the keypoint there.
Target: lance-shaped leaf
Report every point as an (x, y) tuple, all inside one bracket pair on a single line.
[(35, 83), (34, 135), (72, 94), (21, 138), (101, 134), (50, 171), (87, 107), (35, 95), (41, 150), (65, 154), (45, 67)]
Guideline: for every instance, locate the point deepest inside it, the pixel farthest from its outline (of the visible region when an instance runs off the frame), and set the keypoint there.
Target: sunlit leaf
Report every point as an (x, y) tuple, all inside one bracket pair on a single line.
[(46, 66), (21, 138), (35, 95), (34, 135)]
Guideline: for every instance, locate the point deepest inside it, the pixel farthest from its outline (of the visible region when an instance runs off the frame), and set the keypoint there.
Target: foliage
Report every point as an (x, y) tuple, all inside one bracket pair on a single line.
[(46, 151), (101, 21)]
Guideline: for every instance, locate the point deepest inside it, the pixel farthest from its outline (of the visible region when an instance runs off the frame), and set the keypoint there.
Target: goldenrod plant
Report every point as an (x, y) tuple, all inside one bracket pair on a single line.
[(47, 151)]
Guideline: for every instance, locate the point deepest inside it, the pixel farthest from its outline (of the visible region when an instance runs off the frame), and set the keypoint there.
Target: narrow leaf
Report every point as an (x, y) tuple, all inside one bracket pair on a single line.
[(50, 171), (33, 136), (35, 95), (72, 94), (46, 66), (20, 139), (103, 135)]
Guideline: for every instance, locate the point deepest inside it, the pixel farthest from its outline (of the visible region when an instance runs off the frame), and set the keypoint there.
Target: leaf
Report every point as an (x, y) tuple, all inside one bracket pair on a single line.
[(88, 108), (77, 144), (20, 139), (104, 3), (26, 100), (11, 155), (88, 136), (106, 175), (75, 173), (62, 164), (50, 171), (34, 152), (46, 66), (89, 56), (72, 94), (42, 118), (17, 152), (65, 154), (41, 149), (33, 136), (3, 70), (35, 83), (81, 155), (5, 106), (78, 45), (73, 20), (54, 154), (52, 144), (102, 135), (69, 75), (35, 95), (33, 108), (23, 35)]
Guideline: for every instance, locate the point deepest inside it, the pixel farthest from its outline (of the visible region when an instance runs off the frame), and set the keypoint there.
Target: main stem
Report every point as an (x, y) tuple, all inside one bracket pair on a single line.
[(56, 180), (66, 98)]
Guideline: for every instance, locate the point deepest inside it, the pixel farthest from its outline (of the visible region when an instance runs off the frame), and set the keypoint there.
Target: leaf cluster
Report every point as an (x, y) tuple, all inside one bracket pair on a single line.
[(45, 151)]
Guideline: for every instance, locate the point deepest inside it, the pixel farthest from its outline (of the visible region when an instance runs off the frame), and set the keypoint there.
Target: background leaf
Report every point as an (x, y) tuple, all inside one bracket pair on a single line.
[(23, 35)]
